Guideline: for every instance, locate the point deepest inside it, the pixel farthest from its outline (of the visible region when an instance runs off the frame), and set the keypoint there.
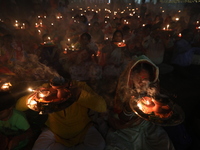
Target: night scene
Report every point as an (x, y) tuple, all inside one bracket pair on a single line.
[(99, 74)]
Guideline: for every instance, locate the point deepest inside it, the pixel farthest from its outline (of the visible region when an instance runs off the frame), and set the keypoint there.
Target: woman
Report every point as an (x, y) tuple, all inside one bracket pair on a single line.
[(130, 131), (113, 56)]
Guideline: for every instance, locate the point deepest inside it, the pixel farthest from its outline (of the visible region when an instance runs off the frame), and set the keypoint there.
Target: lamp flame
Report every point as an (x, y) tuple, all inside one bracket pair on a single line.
[(6, 86)]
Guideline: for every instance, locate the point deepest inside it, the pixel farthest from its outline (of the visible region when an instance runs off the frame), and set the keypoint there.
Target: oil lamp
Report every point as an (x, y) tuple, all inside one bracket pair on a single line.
[(16, 24), (55, 97), (158, 109), (6, 86), (120, 44)]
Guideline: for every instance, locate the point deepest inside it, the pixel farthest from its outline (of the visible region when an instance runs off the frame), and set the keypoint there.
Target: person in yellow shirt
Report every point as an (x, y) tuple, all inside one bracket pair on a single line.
[(71, 127)]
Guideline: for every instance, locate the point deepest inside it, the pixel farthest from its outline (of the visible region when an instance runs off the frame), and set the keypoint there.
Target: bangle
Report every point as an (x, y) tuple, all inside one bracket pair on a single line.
[(128, 114)]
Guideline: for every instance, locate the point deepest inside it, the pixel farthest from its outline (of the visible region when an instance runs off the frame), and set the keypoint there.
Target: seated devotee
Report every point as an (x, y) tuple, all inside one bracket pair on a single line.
[(128, 130), (184, 53), (86, 42), (48, 53), (113, 56), (107, 27), (181, 24), (85, 67), (12, 50), (186, 57), (168, 22), (157, 22), (68, 125), (83, 24), (95, 18), (109, 47), (134, 44), (75, 55), (96, 33), (126, 32), (15, 131), (154, 49)]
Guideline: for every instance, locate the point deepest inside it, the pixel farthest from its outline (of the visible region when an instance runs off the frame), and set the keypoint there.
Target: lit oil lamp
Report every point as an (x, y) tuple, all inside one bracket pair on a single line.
[(157, 109), (50, 99), (16, 24), (65, 51), (177, 19), (146, 105), (120, 44), (149, 105), (198, 28), (6, 86), (39, 31), (40, 24), (23, 26), (72, 47), (167, 26)]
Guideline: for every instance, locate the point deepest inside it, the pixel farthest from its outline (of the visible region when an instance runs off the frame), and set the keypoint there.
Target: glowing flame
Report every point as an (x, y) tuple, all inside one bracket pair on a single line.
[(6, 86), (31, 90), (140, 106)]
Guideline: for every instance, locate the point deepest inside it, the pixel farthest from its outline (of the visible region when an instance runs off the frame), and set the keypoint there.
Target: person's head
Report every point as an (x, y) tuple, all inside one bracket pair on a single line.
[(85, 38), (187, 34), (46, 38), (83, 19), (117, 36), (126, 29), (96, 25), (142, 75), (7, 102)]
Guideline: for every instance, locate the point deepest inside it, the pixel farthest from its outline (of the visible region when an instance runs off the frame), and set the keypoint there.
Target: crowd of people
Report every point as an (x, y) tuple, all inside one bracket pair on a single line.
[(101, 50)]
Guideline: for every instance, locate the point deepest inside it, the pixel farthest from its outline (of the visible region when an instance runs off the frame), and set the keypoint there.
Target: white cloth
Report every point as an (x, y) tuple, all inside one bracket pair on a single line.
[(146, 136), (93, 141)]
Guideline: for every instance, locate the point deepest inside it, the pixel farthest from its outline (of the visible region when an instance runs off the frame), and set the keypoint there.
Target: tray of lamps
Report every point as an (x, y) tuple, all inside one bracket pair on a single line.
[(160, 110)]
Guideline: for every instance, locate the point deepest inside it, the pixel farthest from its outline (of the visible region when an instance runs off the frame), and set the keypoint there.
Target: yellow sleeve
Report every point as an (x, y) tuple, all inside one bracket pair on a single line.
[(21, 103), (89, 99)]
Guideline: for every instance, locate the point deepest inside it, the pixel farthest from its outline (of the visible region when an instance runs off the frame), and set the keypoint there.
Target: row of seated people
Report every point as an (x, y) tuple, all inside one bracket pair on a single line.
[(92, 121)]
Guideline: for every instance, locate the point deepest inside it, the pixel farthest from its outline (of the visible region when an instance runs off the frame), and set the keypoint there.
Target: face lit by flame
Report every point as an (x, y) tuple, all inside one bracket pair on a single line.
[(141, 80)]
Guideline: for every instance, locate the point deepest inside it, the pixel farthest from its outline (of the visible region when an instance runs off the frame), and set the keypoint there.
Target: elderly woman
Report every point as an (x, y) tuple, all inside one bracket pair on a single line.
[(131, 131)]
